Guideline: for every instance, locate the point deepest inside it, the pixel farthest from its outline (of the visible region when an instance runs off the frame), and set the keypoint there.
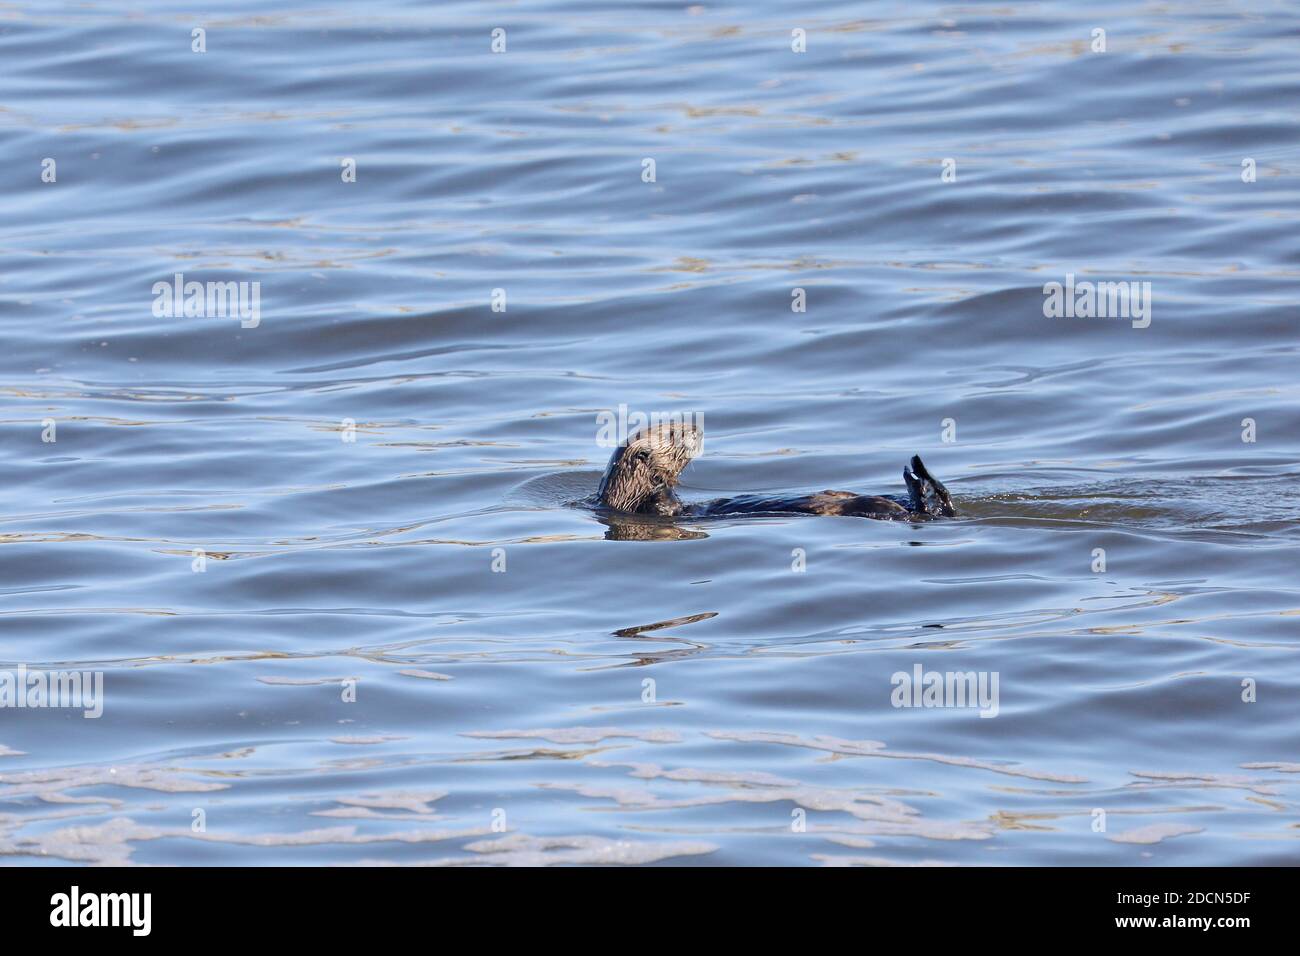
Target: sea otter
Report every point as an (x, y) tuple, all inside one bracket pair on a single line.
[(644, 470)]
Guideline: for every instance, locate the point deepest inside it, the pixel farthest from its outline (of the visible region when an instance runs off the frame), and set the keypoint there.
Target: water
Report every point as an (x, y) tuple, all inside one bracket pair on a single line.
[(339, 569)]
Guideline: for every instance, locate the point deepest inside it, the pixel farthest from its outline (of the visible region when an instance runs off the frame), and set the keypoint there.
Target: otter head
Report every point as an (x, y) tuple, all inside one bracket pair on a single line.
[(643, 470)]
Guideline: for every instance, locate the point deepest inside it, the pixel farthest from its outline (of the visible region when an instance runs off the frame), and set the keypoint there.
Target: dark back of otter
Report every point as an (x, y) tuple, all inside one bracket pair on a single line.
[(825, 503)]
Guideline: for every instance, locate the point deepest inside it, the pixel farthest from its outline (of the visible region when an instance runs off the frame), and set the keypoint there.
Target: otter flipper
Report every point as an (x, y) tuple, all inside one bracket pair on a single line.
[(915, 493), (927, 490)]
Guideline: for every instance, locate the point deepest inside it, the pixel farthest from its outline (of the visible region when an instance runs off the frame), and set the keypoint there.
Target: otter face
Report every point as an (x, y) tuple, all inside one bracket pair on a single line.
[(643, 471)]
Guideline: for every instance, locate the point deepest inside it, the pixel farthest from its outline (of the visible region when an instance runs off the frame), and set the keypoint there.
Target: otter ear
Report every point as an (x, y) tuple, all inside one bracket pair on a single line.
[(645, 475), (632, 458), (640, 462)]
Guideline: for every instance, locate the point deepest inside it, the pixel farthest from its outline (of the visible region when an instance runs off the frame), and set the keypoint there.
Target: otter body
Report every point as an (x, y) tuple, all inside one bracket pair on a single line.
[(643, 473), (823, 503)]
